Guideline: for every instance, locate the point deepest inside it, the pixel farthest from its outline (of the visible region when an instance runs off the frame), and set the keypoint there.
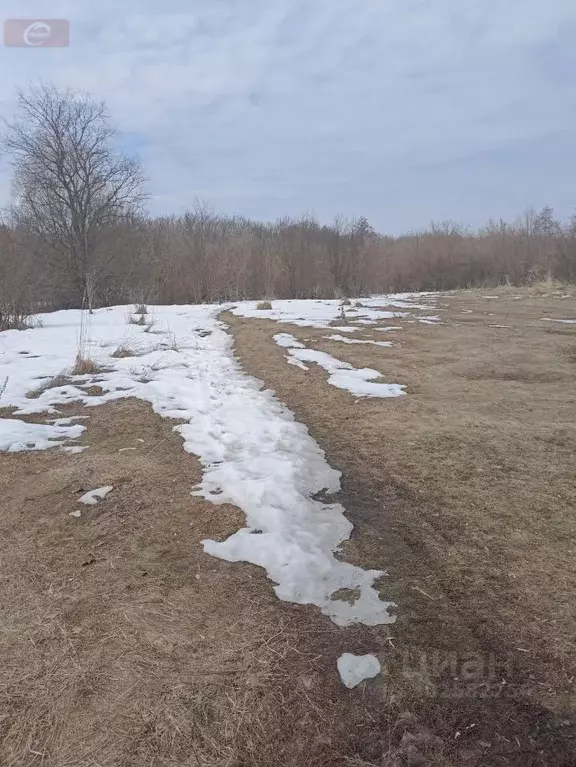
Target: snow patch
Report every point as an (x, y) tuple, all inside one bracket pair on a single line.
[(74, 449), (321, 314), (345, 340), (17, 436), (343, 375), (285, 340), (296, 363), (354, 669), (430, 320), (92, 497)]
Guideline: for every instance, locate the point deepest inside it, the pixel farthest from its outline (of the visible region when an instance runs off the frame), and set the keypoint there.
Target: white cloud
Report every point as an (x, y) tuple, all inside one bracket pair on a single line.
[(337, 105)]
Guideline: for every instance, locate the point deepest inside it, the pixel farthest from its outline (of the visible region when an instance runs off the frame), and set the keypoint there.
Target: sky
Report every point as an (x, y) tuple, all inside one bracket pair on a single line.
[(405, 111)]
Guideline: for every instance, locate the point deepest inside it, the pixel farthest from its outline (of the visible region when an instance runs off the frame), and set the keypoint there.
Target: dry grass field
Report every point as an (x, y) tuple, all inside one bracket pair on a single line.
[(122, 643), (465, 492)]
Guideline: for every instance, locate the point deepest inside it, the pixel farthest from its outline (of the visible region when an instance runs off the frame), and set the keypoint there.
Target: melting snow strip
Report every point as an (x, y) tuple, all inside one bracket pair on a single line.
[(343, 375), (430, 320), (253, 452), (345, 340)]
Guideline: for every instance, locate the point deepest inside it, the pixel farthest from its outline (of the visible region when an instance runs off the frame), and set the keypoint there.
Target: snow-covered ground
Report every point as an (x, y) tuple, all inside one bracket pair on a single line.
[(321, 313), (253, 452)]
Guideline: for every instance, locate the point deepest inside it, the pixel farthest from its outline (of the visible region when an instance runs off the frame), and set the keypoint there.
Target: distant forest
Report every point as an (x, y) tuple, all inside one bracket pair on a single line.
[(77, 234), (206, 257)]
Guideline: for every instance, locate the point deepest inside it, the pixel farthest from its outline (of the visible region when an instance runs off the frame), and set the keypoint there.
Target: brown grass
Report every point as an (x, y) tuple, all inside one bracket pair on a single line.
[(463, 491), (122, 643), (62, 379), (264, 305), (85, 366), (123, 351)]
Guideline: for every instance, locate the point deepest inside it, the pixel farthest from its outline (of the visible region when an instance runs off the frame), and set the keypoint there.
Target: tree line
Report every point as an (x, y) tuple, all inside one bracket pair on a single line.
[(77, 234)]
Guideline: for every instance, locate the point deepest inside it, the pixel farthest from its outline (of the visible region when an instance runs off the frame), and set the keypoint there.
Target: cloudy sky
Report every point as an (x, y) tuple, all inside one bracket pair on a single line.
[(401, 110)]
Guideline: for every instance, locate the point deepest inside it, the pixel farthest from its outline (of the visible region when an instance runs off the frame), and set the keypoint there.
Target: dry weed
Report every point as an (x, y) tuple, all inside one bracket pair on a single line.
[(123, 351), (62, 379), (85, 366)]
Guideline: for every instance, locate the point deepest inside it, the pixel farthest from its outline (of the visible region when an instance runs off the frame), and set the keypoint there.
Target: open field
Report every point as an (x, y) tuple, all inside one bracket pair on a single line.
[(464, 491), (123, 642)]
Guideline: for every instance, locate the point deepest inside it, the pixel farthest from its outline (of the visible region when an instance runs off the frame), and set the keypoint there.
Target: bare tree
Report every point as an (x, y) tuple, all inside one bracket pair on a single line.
[(545, 224), (70, 186), (17, 281)]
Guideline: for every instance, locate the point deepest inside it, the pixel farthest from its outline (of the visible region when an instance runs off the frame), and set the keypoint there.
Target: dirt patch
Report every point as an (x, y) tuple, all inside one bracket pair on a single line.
[(464, 492), (122, 643)]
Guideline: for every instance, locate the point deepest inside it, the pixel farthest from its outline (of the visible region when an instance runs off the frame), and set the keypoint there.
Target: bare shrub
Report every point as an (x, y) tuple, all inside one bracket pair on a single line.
[(123, 351), (17, 282), (12, 318), (264, 305), (543, 287), (85, 366), (172, 343)]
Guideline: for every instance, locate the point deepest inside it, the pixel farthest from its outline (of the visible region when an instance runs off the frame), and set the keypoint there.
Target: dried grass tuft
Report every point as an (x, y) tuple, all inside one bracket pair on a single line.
[(123, 351), (85, 366), (62, 379)]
